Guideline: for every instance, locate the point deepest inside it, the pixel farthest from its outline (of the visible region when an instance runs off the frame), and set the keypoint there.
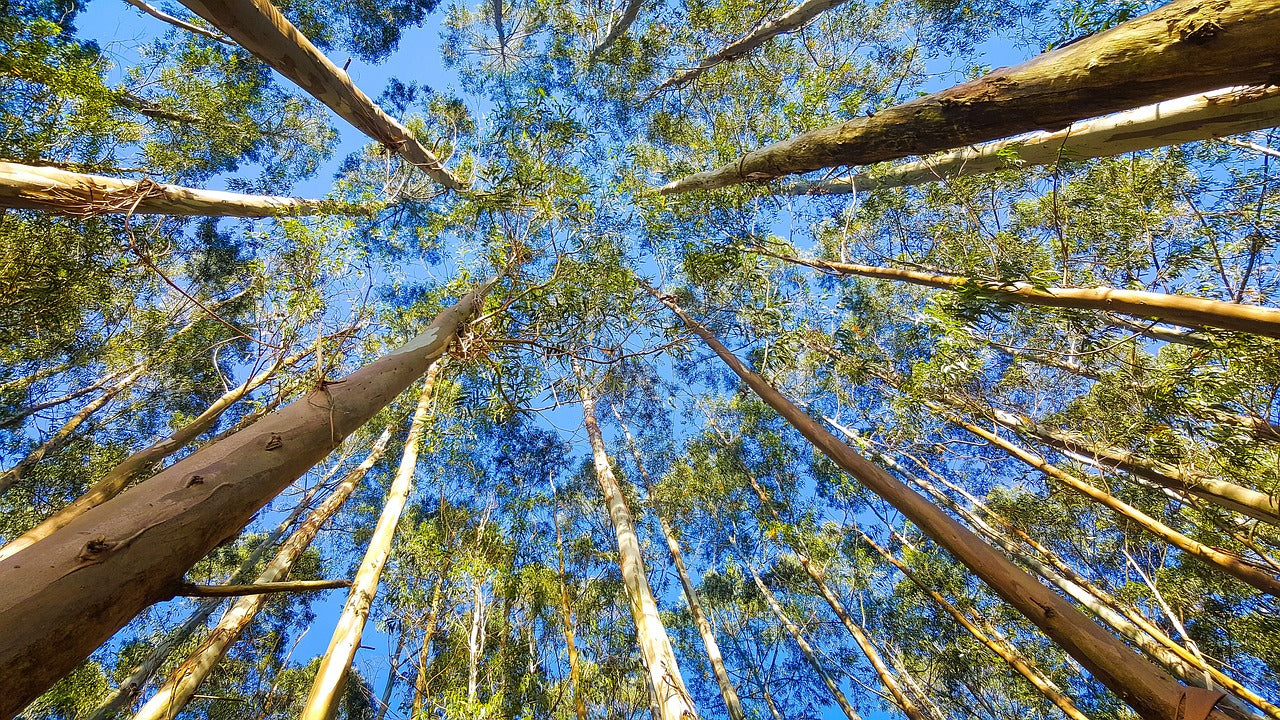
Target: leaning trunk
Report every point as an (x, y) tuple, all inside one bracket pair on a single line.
[(262, 30), (49, 189), (331, 677), (68, 595), (1204, 116), (174, 695), (1182, 48), (1142, 685)]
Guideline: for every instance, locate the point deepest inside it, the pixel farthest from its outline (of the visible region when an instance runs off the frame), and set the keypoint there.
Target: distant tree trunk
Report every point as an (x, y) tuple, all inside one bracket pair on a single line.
[(1116, 615), (42, 373), (68, 595), (790, 21), (1227, 563), (714, 657), (143, 461), (1185, 310), (262, 30), (1155, 332), (566, 616), (475, 639), (49, 189), (1204, 116), (384, 701), (663, 672), (66, 433), (1139, 683), (805, 648), (331, 677), (16, 417), (176, 692), (629, 15), (1136, 63), (420, 687), (1004, 652), (1226, 495)]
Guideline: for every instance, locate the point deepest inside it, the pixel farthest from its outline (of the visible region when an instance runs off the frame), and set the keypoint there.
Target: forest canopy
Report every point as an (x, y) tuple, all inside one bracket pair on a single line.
[(647, 358)]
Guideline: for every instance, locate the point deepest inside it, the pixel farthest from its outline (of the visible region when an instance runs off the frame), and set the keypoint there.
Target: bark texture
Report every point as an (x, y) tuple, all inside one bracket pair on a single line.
[(1146, 688), (331, 677), (33, 187), (790, 21), (87, 580), (176, 692), (1216, 114), (1185, 47), (262, 30)]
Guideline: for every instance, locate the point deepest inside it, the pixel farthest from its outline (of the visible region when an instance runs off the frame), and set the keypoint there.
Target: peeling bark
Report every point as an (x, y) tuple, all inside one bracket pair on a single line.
[(1185, 47)]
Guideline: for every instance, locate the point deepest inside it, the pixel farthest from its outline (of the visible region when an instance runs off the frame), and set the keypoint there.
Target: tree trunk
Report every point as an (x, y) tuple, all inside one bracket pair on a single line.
[(1118, 616), (663, 672), (475, 639), (16, 417), (49, 189), (262, 30), (730, 695), (566, 616), (1143, 686), (424, 655), (384, 700), (629, 15), (143, 461), (1182, 48), (1184, 310), (69, 595), (805, 648), (65, 433), (1227, 563), (1226, 495), (43, 373), (1004, 652), (128, 690), (331, 677), (177, 691), (1204, 116), (790, 21)]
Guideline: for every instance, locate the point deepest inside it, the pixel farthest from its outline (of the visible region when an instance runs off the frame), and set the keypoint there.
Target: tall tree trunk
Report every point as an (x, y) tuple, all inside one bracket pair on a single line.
[(143, 461), (50, 189), (262, 30), (420, 686), (384, 700), (1224, 494), (805, 648), (619, 28), (727, 691), (1185, 310), (1142, 61), (475, 639), (65, 433), (1203, 116), (17, 416), (790, 21), (566, 616), (176, 692), (1142, 685), (1227, 563), (331, 677), (662, 670), (127, 691), (1119, 617), (42, 373), (1005, 652), (68, 595)]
